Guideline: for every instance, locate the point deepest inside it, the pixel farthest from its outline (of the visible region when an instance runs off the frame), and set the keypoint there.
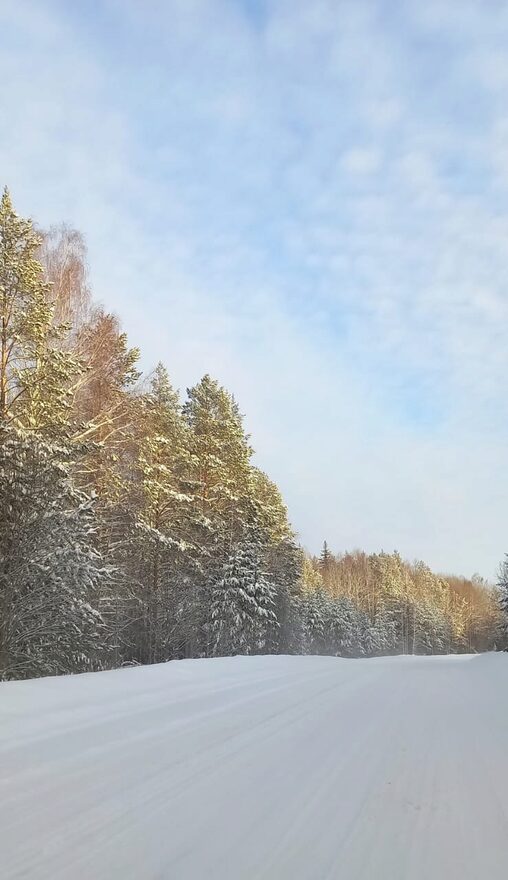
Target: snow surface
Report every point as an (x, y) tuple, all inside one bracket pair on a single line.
[(264, 767)]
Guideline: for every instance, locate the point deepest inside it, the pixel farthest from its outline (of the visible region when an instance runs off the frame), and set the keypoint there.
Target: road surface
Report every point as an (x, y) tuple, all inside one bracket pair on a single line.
[(263, 768)]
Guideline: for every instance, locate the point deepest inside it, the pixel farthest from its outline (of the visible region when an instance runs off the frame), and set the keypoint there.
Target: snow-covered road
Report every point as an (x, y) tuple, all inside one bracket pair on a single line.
[(303, 768)]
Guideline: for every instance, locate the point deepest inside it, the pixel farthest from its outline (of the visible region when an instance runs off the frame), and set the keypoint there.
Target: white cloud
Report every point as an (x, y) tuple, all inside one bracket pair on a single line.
[(361, 160)]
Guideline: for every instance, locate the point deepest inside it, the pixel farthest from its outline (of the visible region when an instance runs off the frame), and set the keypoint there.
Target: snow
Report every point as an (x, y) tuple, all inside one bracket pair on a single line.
[(251, 768)]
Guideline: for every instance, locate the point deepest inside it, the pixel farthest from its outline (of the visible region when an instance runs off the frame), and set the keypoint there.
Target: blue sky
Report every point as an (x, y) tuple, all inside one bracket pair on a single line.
[(308, 199)]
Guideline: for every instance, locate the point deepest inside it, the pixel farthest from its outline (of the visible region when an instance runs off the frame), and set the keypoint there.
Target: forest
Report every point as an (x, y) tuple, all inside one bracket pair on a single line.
[(135, 527)]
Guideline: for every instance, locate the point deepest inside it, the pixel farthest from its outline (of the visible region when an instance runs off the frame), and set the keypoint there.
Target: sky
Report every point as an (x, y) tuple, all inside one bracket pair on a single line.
[(307, 199)]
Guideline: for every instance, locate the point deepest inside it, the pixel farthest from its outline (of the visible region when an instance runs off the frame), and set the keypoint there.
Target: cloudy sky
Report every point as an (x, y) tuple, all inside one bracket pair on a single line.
[(309, 200)]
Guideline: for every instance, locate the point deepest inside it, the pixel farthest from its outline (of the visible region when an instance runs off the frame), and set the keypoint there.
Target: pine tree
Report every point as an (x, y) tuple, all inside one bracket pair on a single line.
[(51, 575), (502, 585), (269, 513), (325, 557), (35, 374), (344, 627), (220, 460), (50, 569), (315, 622), (166, 521), (242, 606), (283, 562)]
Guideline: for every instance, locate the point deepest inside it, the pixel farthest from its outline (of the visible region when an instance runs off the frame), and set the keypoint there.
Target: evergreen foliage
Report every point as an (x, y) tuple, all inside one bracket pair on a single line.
[(51, 574), (135, 528), (503, 601), (243, 601)]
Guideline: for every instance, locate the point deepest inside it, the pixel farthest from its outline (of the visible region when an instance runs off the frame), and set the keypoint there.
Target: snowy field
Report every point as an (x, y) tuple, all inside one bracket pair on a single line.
[(303, 768)]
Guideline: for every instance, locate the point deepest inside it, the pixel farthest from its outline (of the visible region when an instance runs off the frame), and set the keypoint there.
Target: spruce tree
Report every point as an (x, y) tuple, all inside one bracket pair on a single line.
[(344, 628), (51, 575), (283, 562), (242, 603), (325, 558), (315, 622)]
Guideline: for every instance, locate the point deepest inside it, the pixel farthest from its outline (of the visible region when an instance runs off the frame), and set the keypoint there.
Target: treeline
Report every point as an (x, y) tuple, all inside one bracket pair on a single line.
[(411, 609), (134, 527)]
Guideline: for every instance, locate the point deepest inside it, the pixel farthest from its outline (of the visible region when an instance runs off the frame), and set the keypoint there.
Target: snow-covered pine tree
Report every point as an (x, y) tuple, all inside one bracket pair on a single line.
[(393, 610), (365, 634), (242, 603), (268, 512), (294, 625), (344, 628), (502, 586), (35, 374), (50, 571), (220, 481), (220, 456), (106, 416), (382, 636), (170, 531), (316, 622), (430, 631), (51, 575), (283, 563)]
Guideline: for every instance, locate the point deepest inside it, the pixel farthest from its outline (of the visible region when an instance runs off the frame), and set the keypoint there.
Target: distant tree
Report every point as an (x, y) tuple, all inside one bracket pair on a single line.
[(325, 562), (502, 584)]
